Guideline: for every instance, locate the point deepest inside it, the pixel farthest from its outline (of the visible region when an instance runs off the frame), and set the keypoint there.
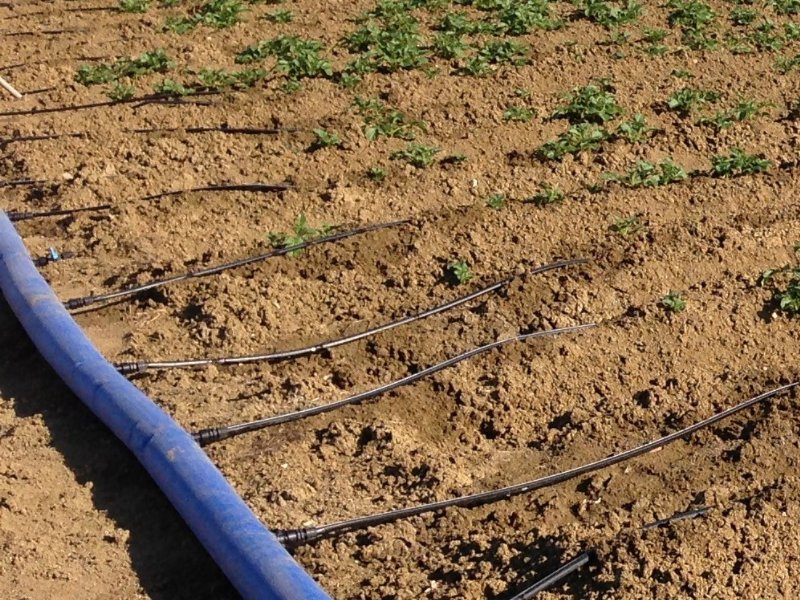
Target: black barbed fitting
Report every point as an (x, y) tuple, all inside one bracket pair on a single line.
[(52, 256), (204, 437), (125, 368), (297, 537), (18, 215), (78, 302)]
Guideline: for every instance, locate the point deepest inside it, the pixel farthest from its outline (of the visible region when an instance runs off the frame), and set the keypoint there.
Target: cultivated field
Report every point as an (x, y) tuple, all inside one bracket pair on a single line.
[(660, 142)]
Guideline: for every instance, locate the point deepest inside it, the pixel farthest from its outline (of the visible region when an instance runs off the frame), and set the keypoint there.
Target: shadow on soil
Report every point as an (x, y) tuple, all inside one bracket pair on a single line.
[(168, 560)]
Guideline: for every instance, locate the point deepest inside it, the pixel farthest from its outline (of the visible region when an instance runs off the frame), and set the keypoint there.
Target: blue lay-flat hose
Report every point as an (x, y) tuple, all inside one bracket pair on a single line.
[(246, 551)]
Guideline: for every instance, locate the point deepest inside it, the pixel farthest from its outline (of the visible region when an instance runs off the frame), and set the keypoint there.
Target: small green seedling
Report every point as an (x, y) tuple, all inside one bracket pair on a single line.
[(220, 79), (546, 195), (695, 20), (504, 52), (121, 92), (738, 163), (380, 120), (785, 7), (388, 40), (634, 130), (460, 271), (593, 103), (326, 139), (296, 57), (170, 87), (578, 138), (785, 285), (279, 16), (218, 14), (449, 46), (627, 226), (654, 36), (686, 100), (673, 302), (744, 110), (646, 174), (134, 6), (785, 63), (476, 66), (520, 17), (496, 201), (743, 16), (376, 174), (301, 232), (417, 155), (459, 23), (155, 61), (766, 37), (609, 13), (522, 114)]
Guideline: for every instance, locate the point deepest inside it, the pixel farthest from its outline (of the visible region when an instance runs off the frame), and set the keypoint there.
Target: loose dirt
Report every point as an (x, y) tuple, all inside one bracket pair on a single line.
[(79, 517)]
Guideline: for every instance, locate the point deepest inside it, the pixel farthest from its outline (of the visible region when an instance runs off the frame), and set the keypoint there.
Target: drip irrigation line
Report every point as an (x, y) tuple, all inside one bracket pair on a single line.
[(217, 128), (60, 212), (227, 187), (21, 182), (580, 561), (94, 9), (52, 60), (86, 301), (171, 101), (132, 368), (39, 137), (297, 537), (137, 102), (681, 516), (40, 91), (42, 32), (204, 437), (555, 577)]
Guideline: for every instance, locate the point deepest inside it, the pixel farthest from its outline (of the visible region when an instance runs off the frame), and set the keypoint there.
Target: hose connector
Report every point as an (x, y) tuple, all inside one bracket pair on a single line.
[(131, 368)]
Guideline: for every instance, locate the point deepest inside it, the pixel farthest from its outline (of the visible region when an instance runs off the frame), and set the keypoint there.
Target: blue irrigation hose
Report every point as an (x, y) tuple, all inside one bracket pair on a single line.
[(246, 551)]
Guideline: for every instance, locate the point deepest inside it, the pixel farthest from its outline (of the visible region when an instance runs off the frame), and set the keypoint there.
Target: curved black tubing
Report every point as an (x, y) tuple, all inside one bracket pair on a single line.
[(204, 437), (85, 301), (296, 537), (142, 366)]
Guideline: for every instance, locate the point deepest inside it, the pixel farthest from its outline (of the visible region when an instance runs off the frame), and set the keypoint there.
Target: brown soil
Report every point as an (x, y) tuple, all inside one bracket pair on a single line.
[(79, 517)]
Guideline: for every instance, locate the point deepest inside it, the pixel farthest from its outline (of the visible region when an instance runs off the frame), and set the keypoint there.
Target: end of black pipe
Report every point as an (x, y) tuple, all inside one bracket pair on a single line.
[(131, 368), (296, 537), (16, 215), (205, 437), (78, 302)]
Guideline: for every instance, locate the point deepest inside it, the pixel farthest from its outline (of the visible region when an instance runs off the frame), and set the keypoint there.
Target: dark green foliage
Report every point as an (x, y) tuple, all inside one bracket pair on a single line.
[(156, 61), (738, 163), (594, 103)]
